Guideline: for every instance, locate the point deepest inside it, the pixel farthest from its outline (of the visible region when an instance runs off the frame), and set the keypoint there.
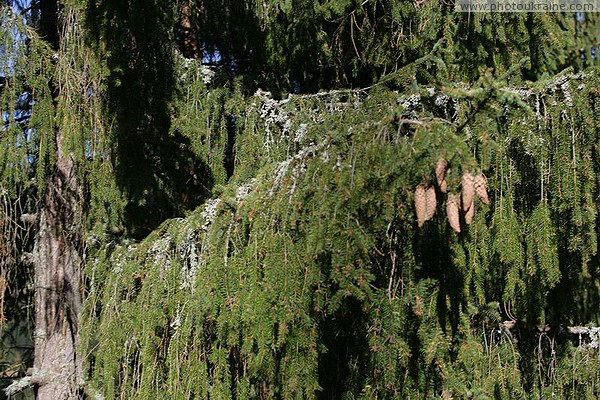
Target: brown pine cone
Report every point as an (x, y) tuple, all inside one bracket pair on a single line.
[(470, 213), (452, 212), (421, 204), (468, 190), (440, 174), (431, 203), (480, 184)]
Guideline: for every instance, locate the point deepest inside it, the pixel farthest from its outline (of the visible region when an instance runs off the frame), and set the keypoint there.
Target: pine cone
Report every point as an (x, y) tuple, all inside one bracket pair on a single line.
[(421, 204), (470, 213), (440, 174), (431, 203), (468, 190), (481, 188), (443, 186), (452, 212)]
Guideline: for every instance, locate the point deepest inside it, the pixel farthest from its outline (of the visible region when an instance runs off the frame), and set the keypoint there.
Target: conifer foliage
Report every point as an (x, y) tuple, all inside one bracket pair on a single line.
[(293, 199)]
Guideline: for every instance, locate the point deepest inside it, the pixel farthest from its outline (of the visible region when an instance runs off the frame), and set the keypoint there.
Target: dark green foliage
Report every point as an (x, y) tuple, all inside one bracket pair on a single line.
[(317, 283), (252, 244), (290, 45)]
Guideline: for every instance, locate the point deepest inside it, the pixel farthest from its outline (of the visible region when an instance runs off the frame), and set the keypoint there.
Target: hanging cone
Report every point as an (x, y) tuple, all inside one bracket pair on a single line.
[(470, 213), (452, 212), (440, 174), (421, 204), (431, 203), (481, 188), (468, 190), (443, 186)]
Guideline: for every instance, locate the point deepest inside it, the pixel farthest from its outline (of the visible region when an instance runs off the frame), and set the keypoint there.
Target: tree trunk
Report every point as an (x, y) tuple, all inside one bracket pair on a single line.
[(57, 285)]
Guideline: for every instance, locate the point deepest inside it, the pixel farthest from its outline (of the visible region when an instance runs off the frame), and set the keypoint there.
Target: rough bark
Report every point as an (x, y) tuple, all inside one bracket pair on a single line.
[(57, 370)]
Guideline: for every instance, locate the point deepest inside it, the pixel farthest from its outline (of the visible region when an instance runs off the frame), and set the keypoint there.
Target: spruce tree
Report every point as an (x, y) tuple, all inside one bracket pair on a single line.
[(294, 199)]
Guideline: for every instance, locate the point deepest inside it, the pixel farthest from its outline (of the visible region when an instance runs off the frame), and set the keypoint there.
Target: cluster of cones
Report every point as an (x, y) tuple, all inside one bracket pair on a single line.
[(426, 200)]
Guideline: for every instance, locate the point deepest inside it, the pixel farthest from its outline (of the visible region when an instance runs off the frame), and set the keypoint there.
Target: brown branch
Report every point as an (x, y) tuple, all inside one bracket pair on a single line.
[(555, 328)]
